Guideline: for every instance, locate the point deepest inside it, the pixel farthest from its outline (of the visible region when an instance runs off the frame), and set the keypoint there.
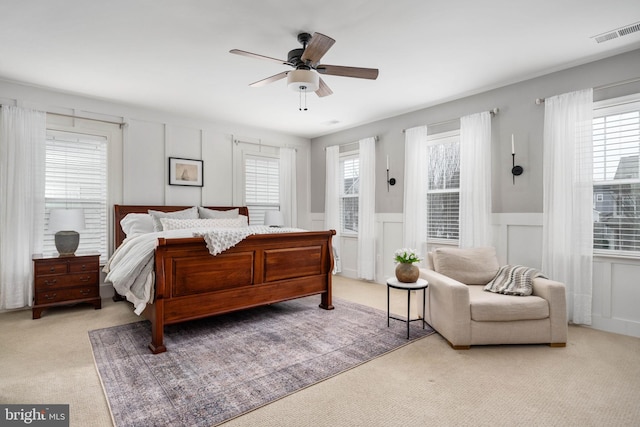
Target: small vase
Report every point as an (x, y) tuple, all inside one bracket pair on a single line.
[(407, 272)]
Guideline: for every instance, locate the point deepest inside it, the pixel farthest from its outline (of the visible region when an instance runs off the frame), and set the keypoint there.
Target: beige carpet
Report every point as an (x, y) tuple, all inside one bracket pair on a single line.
[(594, 381)]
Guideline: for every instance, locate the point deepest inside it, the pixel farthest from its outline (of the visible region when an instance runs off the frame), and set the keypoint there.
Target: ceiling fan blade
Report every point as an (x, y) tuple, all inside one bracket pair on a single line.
[(323, 89), (317, 47), (337, 70), (271, 79), (255, 55)]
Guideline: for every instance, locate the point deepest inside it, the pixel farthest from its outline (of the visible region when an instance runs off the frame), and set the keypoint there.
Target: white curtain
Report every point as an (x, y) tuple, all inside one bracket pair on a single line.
[(288, 199), (415, 189), (567, 254), (475, 180), (366, 210), (22, 167), (332, 201)]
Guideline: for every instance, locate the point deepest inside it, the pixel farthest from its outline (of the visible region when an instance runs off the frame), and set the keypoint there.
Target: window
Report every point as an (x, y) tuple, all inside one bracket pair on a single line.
[(262, 186), (443, 186), (76, 177), (349, 190), (616, 182)]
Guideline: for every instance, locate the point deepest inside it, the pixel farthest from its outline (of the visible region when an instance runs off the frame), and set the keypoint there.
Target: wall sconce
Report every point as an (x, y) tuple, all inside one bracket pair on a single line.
[(515, 170), (390, 181)]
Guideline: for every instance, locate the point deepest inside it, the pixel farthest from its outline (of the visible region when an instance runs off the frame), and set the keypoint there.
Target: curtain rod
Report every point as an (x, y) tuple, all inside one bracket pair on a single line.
[(84, 118), (493, 112), (540, 101), (260, 144), (376, 137), (89, 118)]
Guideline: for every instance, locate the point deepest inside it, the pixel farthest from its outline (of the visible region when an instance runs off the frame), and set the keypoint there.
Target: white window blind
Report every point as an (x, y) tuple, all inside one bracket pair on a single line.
[(76, 177), (262, 186), (616, 188), (349, 191), (443, 188)]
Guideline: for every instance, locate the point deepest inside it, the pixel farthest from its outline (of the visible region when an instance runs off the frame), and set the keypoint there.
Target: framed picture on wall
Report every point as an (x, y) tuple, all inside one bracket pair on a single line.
[(185, 172)]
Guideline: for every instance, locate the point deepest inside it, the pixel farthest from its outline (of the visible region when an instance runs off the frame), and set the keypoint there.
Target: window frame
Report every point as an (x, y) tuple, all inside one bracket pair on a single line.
[(257, 209), (601, 109), (72, 201), (346, 156), (447, 137)]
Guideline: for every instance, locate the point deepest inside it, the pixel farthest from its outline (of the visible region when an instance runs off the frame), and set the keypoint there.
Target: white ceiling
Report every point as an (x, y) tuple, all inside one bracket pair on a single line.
[(174, 55)]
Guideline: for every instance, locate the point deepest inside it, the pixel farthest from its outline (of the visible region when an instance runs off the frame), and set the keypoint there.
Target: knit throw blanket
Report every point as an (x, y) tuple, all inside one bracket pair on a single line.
[(221, 239), (513, 280)]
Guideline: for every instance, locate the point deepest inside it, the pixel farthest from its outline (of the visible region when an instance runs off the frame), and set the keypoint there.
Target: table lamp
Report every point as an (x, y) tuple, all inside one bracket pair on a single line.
[(273, 219)]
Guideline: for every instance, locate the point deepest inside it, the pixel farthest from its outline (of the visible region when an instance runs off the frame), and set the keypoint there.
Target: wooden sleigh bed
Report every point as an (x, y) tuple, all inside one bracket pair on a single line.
[(262, 269)]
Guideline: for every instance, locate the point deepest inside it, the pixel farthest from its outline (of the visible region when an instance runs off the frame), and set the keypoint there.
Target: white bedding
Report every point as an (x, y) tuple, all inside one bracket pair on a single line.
[(130, 268)]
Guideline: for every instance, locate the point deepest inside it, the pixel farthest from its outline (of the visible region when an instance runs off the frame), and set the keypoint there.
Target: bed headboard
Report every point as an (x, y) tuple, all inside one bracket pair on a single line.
[(120, 211)]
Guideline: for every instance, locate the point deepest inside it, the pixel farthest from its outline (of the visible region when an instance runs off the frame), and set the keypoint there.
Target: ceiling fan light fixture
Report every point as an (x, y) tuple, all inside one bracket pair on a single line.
[(303, 80)]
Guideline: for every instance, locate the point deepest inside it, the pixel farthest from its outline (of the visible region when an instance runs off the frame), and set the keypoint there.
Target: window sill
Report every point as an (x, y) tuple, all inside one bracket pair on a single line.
[(617, 254)]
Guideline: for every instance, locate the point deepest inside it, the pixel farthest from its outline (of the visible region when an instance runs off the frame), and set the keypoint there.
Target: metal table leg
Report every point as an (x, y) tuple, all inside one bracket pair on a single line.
[(408, 311)]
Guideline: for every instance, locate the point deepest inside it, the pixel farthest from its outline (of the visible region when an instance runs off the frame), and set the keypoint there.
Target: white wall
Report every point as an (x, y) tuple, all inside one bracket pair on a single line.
[(517, 207), (151, 137), (138, 168)]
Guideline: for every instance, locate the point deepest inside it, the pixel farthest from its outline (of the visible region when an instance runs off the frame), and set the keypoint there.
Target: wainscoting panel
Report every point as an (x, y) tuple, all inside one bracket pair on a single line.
[(616, 288), (389, 227), (616, 295), (518, 240)]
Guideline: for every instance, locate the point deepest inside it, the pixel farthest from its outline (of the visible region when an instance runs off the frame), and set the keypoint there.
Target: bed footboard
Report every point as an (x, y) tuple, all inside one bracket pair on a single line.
[(262, 269)]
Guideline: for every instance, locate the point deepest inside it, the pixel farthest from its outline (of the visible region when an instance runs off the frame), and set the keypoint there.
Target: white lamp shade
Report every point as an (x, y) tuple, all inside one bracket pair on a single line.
[(303, 80), (66, 220), (273, 218)]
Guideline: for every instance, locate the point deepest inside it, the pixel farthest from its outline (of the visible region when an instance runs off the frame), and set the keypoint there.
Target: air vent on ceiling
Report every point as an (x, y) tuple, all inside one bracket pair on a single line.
[(614, 34)]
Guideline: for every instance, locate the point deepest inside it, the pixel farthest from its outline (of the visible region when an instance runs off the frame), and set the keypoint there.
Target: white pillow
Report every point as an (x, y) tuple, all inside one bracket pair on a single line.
[(179, 224), (136, 223), (191, 213), (212, 213)]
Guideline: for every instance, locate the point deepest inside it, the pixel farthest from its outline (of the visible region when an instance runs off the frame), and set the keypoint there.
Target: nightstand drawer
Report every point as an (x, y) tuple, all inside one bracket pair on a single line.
[(68, 294), (59, 267), (65, 280), (78, 266)]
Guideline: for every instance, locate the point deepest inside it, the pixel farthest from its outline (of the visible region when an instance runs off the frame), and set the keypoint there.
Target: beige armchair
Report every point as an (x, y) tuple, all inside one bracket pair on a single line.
[(460, 310)]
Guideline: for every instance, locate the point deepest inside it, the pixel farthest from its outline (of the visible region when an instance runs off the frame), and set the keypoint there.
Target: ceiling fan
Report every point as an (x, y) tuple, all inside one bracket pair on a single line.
[(306, 64)]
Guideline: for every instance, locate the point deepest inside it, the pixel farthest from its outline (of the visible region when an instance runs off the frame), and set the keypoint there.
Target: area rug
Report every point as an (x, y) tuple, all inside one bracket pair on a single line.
[(218, 368)]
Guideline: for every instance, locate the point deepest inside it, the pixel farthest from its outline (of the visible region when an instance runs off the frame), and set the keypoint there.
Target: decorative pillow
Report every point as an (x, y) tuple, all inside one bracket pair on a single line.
[(212, 213), (136, 223), (471, 266), (513, 280), (178, 224), (191, 213)]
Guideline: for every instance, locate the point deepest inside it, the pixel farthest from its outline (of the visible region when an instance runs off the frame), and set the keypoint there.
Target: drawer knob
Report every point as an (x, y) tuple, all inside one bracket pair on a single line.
[(85, 291), (50, 282), (50, 297), (85, 278), (52, 269), (84, 267)]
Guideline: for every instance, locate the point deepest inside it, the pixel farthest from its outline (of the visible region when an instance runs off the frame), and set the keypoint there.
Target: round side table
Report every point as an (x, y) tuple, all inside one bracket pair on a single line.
[(421, 284)]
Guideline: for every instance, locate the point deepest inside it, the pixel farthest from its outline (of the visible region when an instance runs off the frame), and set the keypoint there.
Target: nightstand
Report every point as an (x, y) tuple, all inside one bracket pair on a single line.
[(65, 280)]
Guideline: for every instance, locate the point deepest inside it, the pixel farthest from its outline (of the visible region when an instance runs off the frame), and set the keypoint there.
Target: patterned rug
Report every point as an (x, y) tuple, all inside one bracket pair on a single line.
[(223, 366)]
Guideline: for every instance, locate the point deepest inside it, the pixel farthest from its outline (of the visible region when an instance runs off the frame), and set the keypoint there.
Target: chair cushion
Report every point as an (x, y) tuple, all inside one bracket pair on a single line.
[(492, 307), (471, 266)]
